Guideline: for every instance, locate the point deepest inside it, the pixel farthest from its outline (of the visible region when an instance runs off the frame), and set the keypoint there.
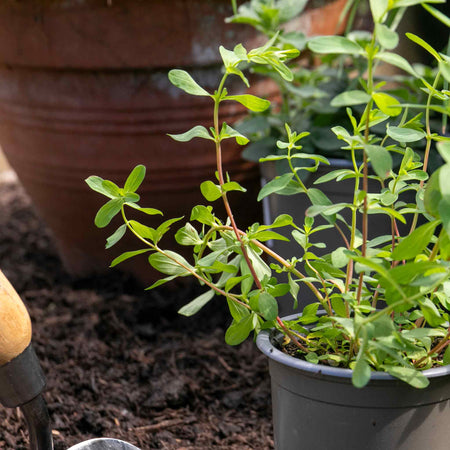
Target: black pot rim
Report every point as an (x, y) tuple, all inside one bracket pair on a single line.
[(263, 342)]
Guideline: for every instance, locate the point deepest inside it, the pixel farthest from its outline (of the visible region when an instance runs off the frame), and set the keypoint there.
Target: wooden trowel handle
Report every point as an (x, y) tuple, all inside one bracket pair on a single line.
[(15, 324)]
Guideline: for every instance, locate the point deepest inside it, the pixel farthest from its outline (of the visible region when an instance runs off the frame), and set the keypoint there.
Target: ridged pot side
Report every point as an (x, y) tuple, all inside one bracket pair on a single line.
[(84, 90), (317, 407)]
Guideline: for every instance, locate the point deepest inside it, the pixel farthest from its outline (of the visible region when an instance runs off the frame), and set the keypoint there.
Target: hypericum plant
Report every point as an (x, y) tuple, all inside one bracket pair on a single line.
[(382, 304)]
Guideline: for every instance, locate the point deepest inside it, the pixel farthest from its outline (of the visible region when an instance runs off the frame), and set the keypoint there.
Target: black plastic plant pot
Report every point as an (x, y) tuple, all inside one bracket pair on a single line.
[(316, 407)]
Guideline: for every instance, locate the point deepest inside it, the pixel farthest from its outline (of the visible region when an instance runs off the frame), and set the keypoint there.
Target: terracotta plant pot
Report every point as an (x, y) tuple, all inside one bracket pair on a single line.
[(84, 90), (317, 407)]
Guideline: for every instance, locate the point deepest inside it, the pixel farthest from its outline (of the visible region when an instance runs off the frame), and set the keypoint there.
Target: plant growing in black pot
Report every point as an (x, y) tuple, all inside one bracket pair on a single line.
[(367, 365)]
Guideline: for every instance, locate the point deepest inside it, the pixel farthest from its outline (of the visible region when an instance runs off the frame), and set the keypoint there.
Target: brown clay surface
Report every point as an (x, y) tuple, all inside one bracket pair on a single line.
[(121, 363)]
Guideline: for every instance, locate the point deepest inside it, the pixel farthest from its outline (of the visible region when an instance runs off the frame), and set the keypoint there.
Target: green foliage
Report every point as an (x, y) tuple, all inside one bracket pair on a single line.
[(382, 304)]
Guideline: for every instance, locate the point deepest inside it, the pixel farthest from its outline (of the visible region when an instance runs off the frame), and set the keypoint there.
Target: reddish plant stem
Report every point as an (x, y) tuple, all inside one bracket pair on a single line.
[(291, 336)]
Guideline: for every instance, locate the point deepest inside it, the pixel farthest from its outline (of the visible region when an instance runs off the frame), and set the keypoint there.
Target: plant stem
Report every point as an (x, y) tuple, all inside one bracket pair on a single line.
[(222, 182)]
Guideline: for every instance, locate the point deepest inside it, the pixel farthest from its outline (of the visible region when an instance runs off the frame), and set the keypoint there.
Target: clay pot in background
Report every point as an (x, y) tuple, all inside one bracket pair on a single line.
[(84, 90)]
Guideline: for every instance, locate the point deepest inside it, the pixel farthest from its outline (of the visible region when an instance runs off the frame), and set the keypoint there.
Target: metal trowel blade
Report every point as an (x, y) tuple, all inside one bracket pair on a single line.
[(104, 444)]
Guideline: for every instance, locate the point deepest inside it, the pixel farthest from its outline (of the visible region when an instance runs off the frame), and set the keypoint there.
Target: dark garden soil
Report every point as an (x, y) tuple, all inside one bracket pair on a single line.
[(120, 362)]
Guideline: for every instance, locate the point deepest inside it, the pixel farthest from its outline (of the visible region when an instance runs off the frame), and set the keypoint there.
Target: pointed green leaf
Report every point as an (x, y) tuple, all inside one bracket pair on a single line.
[(116, 236), (128, 255), (107, 212), (334, 44), (135, 179), (96, 184), (251, 102), (397, 61), (182, 80), (143, 230), (275, 185), (169, 263), (438, 14), (198, 131), (424, 45), (415, 243), (197, 304)]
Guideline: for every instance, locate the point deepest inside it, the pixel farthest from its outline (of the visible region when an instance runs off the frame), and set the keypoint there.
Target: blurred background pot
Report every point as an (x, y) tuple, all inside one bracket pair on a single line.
[(84, 90)]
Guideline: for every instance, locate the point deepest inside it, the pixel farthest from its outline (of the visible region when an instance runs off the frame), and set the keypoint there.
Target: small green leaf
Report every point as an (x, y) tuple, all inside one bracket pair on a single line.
[(268, 306), (116, 236), (424, 45), (111, 188), (444, 150), (228, 132), (438, 14), (197, 304), (96, 184), (446, 358), (415, 243), (128, 255), (198, 131), (169, 263), (378, 8), (334, 44), (403, 134), (238, 332), (135, 179), (210, 191), (444, 67), (338, 306), (143, 230), (397, 61), (408, 375), (233, 186), (380, 159), (387, 104), (251, 102), (387, 37), (188, 235), (350, 98), (107, 212), (182, 80), (275, 185), (361, 372), (203, 214), (431, 313)]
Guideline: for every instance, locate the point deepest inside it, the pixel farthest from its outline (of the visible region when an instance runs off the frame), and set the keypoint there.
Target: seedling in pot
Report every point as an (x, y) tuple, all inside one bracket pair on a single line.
[(381, 304)]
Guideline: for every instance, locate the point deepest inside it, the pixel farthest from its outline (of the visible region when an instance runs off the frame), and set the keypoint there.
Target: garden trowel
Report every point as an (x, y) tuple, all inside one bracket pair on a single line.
[(22, 380)]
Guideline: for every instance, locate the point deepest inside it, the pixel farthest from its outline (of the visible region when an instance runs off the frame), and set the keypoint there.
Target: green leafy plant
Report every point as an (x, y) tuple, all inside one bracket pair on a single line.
[(381, 304)]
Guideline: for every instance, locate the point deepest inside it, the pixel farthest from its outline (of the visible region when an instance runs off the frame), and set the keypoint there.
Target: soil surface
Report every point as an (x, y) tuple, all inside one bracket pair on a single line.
[(119, 360)]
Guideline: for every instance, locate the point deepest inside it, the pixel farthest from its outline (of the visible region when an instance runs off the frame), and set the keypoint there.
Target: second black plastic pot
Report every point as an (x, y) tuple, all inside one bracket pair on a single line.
[(316, 407)]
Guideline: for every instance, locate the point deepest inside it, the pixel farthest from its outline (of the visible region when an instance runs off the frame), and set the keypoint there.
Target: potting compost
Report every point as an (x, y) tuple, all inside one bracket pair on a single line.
[(120, 362)]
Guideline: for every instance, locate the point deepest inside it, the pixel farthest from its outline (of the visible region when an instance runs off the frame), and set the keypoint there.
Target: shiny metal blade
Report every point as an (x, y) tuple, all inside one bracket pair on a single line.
[(103, 444)]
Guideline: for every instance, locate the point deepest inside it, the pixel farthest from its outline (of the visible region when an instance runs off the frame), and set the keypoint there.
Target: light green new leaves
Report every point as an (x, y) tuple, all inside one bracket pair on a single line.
[(424, 45), (335, 44), (182, 80), (387, 37), (387, 104), (107, 212)]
